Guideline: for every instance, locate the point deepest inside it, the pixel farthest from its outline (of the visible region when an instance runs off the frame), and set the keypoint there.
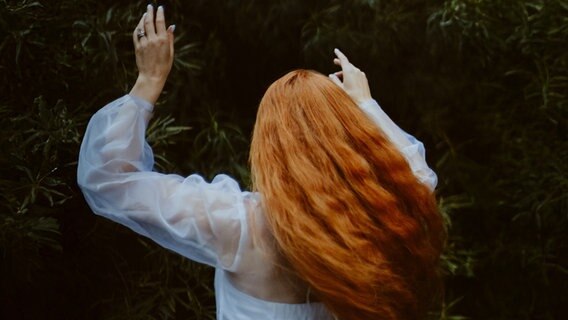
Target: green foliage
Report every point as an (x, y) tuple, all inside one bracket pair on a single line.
[(481, 82), (518, 224)]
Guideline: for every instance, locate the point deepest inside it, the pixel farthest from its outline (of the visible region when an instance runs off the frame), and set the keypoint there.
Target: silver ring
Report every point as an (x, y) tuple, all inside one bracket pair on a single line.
[(141, 34)]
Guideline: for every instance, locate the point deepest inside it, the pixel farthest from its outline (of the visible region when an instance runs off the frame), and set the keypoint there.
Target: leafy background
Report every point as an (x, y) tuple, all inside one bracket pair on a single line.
[(483, 83)]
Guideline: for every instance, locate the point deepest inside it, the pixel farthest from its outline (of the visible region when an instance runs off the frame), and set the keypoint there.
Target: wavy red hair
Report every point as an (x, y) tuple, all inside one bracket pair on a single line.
[(343, 205)]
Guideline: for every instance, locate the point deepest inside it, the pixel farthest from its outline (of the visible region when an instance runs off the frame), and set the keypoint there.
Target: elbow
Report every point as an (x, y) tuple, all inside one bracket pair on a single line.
[(81, 172), (94, 187), (429, 178), (426, 176), (88, 174), (85, 183), (83, 177)]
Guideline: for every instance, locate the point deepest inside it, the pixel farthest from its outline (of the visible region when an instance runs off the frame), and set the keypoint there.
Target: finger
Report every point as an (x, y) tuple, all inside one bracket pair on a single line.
[(336, 61), (139, 28), (160, 21), (346, 66), (149, 22), (171, 38), (336, 80), (343, 61)]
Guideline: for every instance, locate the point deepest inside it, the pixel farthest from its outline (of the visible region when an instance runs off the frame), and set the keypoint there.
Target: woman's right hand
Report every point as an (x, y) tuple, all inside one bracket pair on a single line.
[(351, 79)]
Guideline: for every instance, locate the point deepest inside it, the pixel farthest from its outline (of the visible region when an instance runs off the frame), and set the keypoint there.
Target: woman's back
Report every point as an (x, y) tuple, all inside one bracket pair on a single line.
[(261, 287), (261, 273)]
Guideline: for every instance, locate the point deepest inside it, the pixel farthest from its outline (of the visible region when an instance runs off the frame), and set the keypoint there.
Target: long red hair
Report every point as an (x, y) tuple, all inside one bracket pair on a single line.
[(343, 205)]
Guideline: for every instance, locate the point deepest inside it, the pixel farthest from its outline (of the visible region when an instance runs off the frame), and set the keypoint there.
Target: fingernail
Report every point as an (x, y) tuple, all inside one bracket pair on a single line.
[(145, 13), (161, 8), (173, 27), (335, 50), (150, 7)]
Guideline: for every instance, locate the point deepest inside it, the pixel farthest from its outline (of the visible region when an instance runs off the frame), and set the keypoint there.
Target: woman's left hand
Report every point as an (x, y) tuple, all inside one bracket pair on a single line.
[(154, 46), (353, 80)]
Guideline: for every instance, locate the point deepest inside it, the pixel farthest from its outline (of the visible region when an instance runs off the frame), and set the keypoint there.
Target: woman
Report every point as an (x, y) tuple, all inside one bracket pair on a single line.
[(342, 223)]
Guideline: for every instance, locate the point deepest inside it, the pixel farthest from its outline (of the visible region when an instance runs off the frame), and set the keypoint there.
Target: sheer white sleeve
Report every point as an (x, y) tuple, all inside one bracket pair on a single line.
[(202, 221), (412, 149)]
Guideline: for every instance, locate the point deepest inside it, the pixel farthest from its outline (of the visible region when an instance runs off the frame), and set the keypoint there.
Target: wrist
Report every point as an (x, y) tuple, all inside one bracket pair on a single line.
[(154, 80), (148, 88), (364, 100)]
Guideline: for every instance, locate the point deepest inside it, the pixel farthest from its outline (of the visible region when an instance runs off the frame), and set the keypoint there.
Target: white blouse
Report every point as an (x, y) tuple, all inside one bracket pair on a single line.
[(203, 221)]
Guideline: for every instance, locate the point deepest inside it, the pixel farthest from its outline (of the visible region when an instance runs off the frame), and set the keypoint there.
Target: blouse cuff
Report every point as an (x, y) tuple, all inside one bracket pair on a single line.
[(370, 105), (141, 102)]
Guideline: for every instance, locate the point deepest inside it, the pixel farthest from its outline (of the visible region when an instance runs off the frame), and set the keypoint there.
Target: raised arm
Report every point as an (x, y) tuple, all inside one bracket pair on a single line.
[(354, 82), (203, 221)]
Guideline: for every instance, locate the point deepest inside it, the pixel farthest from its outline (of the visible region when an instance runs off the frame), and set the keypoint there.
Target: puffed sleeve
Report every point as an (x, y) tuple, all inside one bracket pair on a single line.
[(411, 148), (205, 222)]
